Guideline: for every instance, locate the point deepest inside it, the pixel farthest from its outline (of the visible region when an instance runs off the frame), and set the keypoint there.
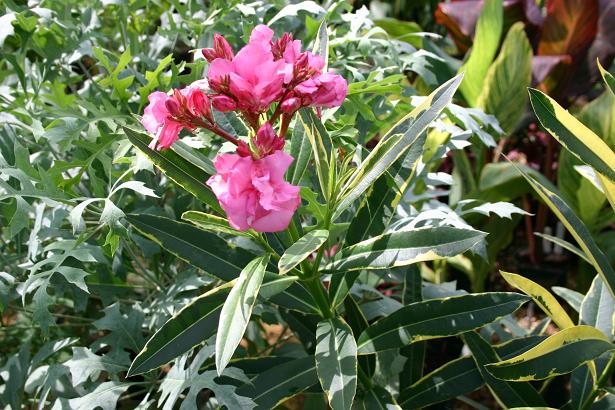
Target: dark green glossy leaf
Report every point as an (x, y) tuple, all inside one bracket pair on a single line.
[(437, 318)]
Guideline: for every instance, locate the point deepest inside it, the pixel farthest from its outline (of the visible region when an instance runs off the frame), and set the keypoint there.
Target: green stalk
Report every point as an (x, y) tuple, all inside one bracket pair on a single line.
[(602, 380)]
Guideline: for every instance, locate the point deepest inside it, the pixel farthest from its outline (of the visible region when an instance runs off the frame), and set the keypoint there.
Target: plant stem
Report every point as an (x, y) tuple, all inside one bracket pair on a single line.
[(317, 291), (602, 380)]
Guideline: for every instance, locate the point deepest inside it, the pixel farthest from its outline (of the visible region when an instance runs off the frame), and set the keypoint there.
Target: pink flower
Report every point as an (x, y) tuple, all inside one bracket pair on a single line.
[(166, 115), (253, 192), (223, 103), (156, 112), (326, 90), (252, 78)]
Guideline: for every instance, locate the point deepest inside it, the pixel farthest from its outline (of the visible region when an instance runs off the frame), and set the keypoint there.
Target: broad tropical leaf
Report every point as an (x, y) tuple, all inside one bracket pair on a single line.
[(187, 175), (405, 248), (542, 297), (237, 309), (504, 88), (336, 362), (573, 134), (486, 44), (437, 318), (301, 249), (558, 354)]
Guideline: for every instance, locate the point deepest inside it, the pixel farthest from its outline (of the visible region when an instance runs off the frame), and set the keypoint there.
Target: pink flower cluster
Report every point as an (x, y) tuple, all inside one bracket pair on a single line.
[(266, 76)]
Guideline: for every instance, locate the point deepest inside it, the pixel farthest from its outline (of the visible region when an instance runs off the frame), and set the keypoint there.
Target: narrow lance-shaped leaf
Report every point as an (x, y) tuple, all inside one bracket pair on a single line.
[(520, 394), (280, 383), (301, 249), (387, 152), (195, 323), (561, 353), (437, 318), (336, 362), (542, 297), (202, 249), (237, 310), (573, 134), (576, 227), (572, 297), (321, 145), (598, 308), (457, 377), (190, 177), (405, 248), (213, 223)]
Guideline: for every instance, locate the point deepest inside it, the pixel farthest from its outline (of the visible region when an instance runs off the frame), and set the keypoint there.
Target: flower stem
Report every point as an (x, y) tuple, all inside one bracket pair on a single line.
[(602, 380), (217, 130), (317, 291)]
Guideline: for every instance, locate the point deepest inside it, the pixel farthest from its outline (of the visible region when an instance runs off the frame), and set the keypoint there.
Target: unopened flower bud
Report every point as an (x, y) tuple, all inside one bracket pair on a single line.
[(173, 107), (290, 105), (223, 103)]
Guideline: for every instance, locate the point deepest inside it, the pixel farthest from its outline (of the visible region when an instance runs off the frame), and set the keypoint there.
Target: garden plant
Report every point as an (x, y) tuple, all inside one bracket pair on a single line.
[(214, 204)]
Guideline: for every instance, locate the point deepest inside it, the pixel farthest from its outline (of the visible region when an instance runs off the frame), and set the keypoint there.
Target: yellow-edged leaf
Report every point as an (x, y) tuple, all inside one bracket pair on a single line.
[(542, 297)]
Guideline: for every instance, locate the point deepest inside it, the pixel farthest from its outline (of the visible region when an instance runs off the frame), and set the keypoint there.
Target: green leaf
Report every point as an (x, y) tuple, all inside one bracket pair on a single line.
[(576, 227), (396, 142), (542, 297), (609, 80), (559, 354), (456, 378), (598, 308), (321, 44), (573, 134), (358, 323), (201, 249), (504, 87), (507, 394), (378, 207), (279, 383), (486, 44), (301, 151), (182, 172), (189, 327), (84, 365), (572, 297), (209, 222), (336, 362), (379, 398), (237, 310), (339, 287), (195, 323), (104, 396), (564, 244), (301, 249), (437, 318), (405, 248), (321, 145)]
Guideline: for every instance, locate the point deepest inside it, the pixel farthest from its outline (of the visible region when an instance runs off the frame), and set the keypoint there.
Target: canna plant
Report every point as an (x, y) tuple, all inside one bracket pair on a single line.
[(312, 268)]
